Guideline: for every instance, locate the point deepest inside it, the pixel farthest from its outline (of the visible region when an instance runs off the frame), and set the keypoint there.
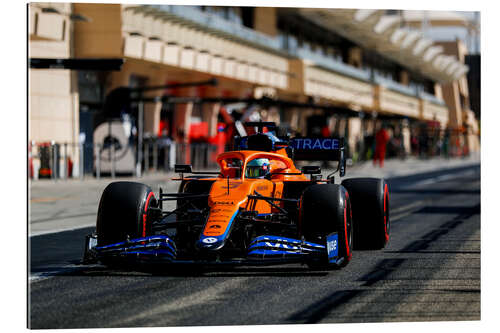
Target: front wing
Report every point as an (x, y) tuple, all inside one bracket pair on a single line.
[(263, 250)]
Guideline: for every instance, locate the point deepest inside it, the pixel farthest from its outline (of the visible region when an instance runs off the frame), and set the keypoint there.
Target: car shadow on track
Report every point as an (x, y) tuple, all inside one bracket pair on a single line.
[(319, 310)]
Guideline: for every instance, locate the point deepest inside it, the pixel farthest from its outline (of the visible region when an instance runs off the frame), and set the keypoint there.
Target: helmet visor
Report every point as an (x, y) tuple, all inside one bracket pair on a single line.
[(254, 172)]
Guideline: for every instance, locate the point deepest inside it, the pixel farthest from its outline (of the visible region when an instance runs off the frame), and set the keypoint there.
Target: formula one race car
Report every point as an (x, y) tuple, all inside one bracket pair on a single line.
[(258, 209)]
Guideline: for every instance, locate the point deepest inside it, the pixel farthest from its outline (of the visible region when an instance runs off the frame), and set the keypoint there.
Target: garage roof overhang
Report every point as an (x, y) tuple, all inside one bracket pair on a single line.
[(373, 30)]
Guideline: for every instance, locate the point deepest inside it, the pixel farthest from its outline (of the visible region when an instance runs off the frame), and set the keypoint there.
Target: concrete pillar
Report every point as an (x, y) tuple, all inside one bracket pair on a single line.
[(355, 55), (355, 134), (182, 121), (471, 135), (118, 79), (292, 118), (210, 111), (264, 114), (75, 120), (265, 20), (273, 115), (451, 94), (332, 123), (368, 125), (376, 98), (297, 79), (406, 139), (452, 99), (404, 77), (438, 90), (302, 125), (342, 126), (152, 111), (152, 118)]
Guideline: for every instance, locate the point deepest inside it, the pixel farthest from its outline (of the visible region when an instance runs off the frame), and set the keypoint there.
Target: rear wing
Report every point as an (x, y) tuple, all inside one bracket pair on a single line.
[(320, 149)]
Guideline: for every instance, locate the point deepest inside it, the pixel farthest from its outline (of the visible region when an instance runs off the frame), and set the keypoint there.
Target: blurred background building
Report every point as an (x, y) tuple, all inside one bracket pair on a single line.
[(322, 72)]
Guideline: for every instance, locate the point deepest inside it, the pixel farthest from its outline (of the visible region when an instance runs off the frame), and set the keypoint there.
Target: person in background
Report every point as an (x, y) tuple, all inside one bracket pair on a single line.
[(423, 142), (369, 147), (381, 139), (446, 143), (166, 147), (414, 142)]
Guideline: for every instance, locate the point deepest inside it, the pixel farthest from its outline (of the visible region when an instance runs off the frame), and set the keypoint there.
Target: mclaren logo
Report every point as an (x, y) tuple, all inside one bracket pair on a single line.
[(209, 240)]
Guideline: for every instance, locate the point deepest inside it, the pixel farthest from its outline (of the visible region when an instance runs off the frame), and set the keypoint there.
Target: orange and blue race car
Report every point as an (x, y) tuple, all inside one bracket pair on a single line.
[(257, 209)]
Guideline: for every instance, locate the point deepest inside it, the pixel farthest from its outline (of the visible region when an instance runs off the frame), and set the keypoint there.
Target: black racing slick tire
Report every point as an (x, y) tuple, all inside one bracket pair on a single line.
[(370, 212), (123, 212), (324, 209)]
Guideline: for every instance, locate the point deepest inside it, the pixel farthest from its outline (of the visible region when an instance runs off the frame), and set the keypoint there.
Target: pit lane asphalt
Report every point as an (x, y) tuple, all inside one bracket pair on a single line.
[(429, 271)]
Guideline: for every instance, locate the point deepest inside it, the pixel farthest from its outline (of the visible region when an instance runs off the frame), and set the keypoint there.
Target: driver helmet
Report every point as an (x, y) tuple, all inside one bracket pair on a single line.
[(257, 168)]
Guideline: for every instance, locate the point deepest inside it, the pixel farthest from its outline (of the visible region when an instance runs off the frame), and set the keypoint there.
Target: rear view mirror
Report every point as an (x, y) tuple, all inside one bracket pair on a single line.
[(342, 163), (182, 168), (311, 170)]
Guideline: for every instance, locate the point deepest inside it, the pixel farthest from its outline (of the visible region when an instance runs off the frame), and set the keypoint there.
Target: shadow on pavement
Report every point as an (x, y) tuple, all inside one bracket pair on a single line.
[(385, 267), (319, 310)]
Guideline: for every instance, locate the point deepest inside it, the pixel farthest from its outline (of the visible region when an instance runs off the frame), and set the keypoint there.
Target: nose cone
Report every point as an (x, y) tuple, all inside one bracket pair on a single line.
[(210, 243), (218, 227)]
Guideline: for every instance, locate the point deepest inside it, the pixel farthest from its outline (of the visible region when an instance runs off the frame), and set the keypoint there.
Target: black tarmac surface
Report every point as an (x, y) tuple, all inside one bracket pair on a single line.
[(430, 271)]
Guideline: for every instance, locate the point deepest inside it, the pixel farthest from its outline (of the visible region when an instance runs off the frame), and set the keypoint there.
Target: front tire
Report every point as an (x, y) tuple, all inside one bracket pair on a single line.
[(324, 209), (123, 212), (370, 203)]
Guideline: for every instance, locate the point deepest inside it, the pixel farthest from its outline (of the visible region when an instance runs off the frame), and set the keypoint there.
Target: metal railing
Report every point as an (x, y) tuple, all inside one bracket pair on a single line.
[(431, 98), (53, 160), (65, 160), (62, 161), (396, 86), (332, 64), (215, 22)]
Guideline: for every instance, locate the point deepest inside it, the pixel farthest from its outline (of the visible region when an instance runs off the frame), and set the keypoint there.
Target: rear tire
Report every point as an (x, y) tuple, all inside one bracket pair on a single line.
[(123, 211), (370, 212), (324, 209)]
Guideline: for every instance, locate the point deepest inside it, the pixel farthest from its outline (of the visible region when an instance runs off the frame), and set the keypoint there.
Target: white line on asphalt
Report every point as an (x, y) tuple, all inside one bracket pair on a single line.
[(400, 216), (408, 207), (55, 231), (172, 307), (434, 180), (443, 178), (39, 276), (406, 210)]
